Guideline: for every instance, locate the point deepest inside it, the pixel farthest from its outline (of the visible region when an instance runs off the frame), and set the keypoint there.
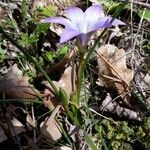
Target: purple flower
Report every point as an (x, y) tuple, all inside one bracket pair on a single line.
[(82, 24)]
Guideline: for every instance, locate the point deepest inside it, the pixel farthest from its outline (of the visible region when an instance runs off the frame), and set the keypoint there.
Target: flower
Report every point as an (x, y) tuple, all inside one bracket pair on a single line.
[(82, 24)]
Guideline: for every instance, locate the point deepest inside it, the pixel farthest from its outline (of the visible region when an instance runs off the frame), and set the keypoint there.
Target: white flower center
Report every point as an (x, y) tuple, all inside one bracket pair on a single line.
[(83, 27)]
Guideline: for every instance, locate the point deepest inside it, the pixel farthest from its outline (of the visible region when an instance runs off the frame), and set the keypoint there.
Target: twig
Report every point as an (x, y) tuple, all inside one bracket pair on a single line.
[(6, 130), (140, 3), (12, 131), (34, 121), (92, 110)]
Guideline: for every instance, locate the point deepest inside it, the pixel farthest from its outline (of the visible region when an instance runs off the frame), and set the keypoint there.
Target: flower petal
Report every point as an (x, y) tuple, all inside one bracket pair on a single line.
[(76, 15), (117, 22), (68, 34), (59, 20), (93, 14), (84, 38), (105, 23)]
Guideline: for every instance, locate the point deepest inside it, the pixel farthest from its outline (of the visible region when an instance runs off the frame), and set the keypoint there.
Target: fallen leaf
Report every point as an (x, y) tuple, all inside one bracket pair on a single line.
[(17, 126), (111, 106), (22, 115), (15, 85), (31, 144), (113, 70), (147, 103), (147, 79), (1, 13), (62, 148), (61, 66), (50, 128), (61, 4), (67, 82), (51, 101)]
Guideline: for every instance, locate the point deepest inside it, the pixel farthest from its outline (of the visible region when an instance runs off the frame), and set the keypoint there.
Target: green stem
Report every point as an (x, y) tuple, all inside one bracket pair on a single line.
[(80, 76), (20, 101)]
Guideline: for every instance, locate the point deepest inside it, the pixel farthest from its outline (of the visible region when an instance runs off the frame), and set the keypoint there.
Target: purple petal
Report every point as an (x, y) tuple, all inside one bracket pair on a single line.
[(105, 23), (84, 38), (68, 34), (93, 14), (59, 20), (117, 22), (75, 14)]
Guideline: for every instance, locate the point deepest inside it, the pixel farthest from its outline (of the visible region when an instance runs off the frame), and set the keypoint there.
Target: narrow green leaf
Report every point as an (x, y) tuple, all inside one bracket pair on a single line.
[(20, 101), (90, 142), (24, 8), (48, 11), (146, 15), (63, 98), (75, 115)]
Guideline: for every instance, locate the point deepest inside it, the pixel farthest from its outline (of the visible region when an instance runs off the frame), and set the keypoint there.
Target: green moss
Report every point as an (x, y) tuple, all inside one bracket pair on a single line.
[(146, 46), (140, 132), (115, 145), (146, 125), (116, 135)]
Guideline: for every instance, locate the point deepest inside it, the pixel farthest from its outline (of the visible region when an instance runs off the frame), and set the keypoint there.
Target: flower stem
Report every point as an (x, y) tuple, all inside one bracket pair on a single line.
[(80, 77)]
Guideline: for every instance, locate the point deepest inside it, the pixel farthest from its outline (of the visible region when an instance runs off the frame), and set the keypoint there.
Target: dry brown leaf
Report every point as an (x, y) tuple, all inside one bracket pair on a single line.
[(62, 148), (111, 106), (113, 69), (1, 13), (17, 121), (32, 145), (14, 85), (18, 111), (50, 128), (18, 128), (51, 101), (61, 66), (61, 4), (67, 82)]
